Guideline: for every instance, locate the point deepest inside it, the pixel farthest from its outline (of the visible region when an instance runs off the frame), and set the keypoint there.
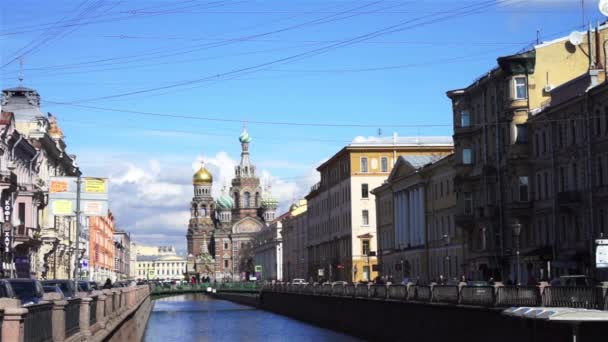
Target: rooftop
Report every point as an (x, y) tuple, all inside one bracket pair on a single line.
[(396, 140)]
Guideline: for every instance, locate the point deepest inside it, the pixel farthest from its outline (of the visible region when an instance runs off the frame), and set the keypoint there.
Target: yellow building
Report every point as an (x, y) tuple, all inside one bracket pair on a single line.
[(341, 215), (166, 267)]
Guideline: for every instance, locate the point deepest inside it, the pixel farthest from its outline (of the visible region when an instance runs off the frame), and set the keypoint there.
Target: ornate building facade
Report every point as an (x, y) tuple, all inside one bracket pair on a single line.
[(220, 231)]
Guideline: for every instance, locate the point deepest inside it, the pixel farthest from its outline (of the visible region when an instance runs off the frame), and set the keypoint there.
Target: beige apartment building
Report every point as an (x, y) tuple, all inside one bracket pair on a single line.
[(342, 238), (295, 258)]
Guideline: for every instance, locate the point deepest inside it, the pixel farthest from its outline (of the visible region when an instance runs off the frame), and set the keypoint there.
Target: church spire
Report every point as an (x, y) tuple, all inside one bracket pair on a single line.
[(245, 169)]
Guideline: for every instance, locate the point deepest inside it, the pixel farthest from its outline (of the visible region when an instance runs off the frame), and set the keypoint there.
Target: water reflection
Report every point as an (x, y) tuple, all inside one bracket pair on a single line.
[(196, 317)]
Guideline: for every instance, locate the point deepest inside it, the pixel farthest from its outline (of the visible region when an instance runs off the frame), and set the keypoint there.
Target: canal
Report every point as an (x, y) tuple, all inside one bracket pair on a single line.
[(196, 317)]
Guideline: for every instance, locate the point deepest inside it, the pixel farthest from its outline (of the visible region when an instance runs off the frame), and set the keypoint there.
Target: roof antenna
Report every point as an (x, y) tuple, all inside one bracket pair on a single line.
[(21, 71), (538, 36), (379, 132)]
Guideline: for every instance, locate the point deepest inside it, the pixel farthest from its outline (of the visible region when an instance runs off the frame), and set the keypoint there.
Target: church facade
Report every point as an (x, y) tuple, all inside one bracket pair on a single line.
[(220, 231)]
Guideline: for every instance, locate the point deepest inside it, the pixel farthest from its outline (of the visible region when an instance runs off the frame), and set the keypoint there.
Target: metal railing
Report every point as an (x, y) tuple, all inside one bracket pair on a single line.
[(93, 311), (518, 296), (38, 323), (487, 296), (477, 295), (445, 294), (574, 297), (72, 317)]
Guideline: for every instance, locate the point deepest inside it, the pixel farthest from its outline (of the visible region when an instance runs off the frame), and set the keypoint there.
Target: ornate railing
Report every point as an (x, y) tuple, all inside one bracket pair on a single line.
[(446, 294), (38, 323), (518, 296), (574, 297), (72, 317)]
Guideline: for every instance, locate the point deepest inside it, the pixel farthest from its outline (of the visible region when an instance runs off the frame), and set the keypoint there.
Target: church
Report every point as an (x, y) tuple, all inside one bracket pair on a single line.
[(220, 231)]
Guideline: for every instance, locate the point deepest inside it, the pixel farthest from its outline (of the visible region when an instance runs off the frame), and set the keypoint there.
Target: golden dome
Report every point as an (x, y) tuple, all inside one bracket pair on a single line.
[(202, 176)]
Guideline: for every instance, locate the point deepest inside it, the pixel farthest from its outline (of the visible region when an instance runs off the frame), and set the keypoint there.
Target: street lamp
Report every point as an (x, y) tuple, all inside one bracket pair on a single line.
[(516, 234), (446, 238)]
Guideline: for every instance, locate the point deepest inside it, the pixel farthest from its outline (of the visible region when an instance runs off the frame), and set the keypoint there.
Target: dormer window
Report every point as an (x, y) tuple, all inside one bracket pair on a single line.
[(465, 119), (520, 88)]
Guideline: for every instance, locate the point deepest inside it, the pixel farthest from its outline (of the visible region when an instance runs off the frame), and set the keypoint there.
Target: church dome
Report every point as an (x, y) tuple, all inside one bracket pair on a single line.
[(269, 201), (225, 202), (245, 138), (202, 176)]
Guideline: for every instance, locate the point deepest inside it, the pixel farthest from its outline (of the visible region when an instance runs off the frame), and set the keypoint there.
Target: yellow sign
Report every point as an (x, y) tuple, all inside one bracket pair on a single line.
[(63, 207), (59, 186), (95, 185)]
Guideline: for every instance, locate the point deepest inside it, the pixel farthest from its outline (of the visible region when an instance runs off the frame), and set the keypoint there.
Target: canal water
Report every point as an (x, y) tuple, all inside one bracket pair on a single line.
[(196, 317)]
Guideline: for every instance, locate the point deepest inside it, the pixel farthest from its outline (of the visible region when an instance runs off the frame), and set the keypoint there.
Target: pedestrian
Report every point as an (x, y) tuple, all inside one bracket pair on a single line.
[(108, 284)]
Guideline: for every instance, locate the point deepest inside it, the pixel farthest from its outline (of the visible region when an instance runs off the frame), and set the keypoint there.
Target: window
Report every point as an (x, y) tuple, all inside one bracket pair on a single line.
[(520, 89), (544, 142), (563, 181), (247, 199), (522, 134), (364, 190), (225, 245), (467, 156), (600, 172), (465, 119), (468, 203), (365, 217), (523, 189), (22, 213), (546, 185), (364, 168), (384, 164), (365, 247), (573, 131), (574, 177), (538, 187), (225, 263)]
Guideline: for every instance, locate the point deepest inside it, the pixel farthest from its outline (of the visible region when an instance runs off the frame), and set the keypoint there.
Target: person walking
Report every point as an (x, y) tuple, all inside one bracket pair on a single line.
[(108, 284)]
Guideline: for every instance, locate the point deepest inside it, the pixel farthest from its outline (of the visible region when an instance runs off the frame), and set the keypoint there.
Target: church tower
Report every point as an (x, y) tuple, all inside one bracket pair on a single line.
[(202, 210), (245, 191)]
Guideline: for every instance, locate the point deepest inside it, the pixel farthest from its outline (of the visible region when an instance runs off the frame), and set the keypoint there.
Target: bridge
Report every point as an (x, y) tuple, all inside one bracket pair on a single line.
[(118, 315)]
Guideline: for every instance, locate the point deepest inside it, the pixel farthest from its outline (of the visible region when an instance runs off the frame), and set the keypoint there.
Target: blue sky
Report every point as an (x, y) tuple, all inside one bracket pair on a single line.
[(90, 53)]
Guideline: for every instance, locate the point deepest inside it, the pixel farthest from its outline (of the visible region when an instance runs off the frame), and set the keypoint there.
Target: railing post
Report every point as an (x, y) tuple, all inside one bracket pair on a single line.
[(101, 306), (59, 320), (12, 325), (85, 316)]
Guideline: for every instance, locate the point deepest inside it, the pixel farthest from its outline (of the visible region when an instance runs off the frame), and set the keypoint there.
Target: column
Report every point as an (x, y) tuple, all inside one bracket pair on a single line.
[(101, 305), (85, 316), (58, 318), (12, 325)]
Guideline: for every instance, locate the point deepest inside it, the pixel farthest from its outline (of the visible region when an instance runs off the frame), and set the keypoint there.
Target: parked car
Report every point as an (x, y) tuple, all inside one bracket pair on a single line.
[(6, 290), (299, 281), (83, 286), (94, 286), (574, 280), (340, 283), (29, 291), (67, 287), (52, 289), (407, 280)]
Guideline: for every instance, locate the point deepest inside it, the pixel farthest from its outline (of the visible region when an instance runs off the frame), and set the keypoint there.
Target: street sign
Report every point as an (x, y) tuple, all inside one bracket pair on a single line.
[(258, 268), (601, 253), (84, 264), (321, 272)]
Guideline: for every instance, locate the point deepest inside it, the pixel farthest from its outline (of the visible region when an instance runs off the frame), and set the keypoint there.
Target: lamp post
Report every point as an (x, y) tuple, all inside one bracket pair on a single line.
[(402, 270), (516, 234), (446, 238)]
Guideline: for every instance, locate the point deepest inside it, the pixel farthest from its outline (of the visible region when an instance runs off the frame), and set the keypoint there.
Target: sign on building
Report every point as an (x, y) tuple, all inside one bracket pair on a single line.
[(93, 196), (601, 253)]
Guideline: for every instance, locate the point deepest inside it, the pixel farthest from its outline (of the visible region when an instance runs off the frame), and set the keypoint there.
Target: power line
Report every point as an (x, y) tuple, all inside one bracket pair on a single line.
[(466, 10)]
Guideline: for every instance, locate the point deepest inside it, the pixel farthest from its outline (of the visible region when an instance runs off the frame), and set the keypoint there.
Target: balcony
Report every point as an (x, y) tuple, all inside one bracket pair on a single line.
[(519, 151), (569, 198)]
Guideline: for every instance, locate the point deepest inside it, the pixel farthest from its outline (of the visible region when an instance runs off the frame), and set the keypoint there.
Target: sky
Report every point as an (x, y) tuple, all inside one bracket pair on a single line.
[(144, 90)]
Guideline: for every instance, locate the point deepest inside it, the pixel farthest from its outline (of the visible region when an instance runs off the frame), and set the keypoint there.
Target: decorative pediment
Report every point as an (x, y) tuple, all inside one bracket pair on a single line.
[(248, 225)]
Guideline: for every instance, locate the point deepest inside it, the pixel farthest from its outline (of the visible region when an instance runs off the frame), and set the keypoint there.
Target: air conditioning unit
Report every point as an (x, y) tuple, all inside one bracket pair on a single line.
[(548, 88)]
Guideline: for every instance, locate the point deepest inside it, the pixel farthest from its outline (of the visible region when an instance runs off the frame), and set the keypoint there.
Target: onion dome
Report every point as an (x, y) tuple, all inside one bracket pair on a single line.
[(245, 138), (202, 177), (225, 202)]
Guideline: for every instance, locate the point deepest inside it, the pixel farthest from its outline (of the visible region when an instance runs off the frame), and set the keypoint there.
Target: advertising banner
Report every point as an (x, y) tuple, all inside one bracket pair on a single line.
[(93, 196), (63, 207), (95, 185), (601, 253)]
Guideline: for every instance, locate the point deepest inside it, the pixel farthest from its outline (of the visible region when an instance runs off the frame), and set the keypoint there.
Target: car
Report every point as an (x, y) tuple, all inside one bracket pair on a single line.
[(299, 281), (67, 287), (409, 281), (339, 283), (574, 280), (94, 286), (84, 286), (6, 290), (29, 291), (52, 289)]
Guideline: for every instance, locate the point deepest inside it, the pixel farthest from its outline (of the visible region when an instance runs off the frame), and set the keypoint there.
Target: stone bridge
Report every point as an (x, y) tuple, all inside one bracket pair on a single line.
[(109, 315)]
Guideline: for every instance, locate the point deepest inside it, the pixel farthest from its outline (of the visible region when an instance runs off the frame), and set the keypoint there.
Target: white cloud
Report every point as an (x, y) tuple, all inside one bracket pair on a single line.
[(151, 198)]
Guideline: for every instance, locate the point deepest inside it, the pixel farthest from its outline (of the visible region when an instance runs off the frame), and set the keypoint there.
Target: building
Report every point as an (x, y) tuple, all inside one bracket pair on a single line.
[(101, 248), (295, 256), (45, 246), (154, 250), (160, 267), (122, 255), (133, 260), (495, 171), (268, 249), (220, 231), (416, 232), (342, 240)]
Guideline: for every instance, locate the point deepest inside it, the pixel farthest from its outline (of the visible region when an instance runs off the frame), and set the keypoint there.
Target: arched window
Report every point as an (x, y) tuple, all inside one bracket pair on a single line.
[(236, 200), (247, 202), (195, 210), (257, 199), (203, 211)]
